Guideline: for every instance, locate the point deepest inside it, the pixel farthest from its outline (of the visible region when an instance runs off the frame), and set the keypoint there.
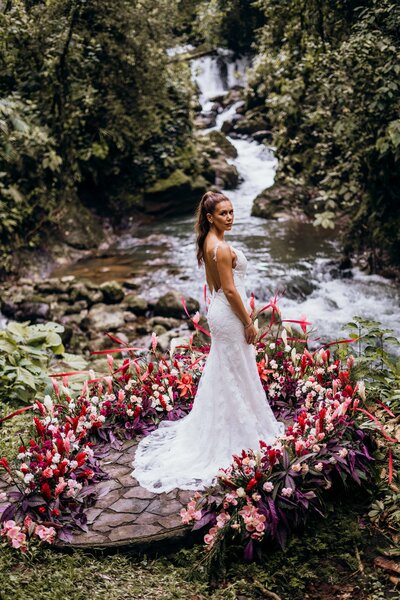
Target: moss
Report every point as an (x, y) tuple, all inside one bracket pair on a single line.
[(177, 179)]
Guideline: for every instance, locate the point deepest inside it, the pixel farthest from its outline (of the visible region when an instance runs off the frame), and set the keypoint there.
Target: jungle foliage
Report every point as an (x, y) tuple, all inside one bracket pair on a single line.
[(328, 73), (90, 106)]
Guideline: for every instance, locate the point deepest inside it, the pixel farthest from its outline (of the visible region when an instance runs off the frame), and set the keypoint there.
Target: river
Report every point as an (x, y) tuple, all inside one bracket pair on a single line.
[(286, 255)]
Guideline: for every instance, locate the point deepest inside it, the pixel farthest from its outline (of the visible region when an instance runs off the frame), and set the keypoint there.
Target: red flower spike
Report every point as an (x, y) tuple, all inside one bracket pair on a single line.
[(252, 483), (390, 465), (5, 465)]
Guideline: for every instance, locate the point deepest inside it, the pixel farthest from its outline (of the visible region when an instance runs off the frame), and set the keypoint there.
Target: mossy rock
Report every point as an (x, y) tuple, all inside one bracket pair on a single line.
[(77, 226), (112, 292), (175, 194), (222, 142), (170, 305), (281, 199)]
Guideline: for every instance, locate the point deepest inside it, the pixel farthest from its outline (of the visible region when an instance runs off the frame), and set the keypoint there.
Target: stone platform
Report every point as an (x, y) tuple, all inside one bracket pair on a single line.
[(126, 514), (129, 515)]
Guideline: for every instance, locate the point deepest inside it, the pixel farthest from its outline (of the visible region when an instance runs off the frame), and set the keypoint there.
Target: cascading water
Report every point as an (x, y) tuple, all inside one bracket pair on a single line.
[(286, 254)]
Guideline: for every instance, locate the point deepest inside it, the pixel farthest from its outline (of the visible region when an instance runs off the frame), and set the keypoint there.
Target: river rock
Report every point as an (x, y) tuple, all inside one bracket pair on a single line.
[(168, 323), (52, 286), (229, 125), (136, 304), (170, 305), (32, 311), (164, 340), (263, 135), (112, 292), (81, 291), (222, 144), (298, 288), (77, 307), (283, 200), (205, 120), (77, 226), (222, 174), (101, 318), (253, 121)]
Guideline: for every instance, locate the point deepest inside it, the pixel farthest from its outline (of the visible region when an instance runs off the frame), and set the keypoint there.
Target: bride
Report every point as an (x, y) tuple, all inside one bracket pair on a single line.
[(230, 411)]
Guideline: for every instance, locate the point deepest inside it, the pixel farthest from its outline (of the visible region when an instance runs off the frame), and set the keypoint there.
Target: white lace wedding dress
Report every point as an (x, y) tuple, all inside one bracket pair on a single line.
[(230, 411)]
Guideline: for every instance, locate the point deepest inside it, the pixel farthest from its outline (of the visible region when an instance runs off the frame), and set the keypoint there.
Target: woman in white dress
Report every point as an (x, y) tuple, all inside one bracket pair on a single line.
[(230, 411)]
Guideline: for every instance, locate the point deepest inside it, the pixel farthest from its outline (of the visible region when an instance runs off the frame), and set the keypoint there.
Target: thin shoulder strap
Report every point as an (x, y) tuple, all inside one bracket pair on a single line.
[(215, 250)]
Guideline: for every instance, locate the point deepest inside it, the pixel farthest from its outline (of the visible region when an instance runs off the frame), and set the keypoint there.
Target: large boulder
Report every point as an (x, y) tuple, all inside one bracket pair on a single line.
[(284, 200), (222, 174), (170, 305), (177, 193), (77, 226), (136, 304), (101, 318), (222, 144), (32, 311)]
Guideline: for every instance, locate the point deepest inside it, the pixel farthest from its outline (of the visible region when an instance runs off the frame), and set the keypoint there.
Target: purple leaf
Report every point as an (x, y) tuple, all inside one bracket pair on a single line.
[(249, 551), (208, 517)]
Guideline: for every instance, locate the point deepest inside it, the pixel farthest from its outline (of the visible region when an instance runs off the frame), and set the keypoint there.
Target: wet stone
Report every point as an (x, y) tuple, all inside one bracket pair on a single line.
[(129, 505), (128, 514), (111, 520), (138, 492), (165, 507), (170, 522)]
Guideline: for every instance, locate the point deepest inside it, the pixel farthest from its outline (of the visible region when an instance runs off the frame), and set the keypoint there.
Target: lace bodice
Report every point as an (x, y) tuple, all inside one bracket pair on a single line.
[(239, 270)]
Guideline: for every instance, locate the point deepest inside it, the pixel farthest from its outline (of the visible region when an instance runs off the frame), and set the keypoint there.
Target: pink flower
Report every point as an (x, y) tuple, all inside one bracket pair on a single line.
[(61, 485), (46, 534), (287, 492), (268, 486), (47, 473)]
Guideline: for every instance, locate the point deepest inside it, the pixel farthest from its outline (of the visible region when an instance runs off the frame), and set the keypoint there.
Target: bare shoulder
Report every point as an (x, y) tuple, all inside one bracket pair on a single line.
[(216, 249)]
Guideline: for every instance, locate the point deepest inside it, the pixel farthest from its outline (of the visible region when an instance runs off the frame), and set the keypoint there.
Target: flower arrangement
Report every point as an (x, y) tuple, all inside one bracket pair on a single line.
[(264, 493)]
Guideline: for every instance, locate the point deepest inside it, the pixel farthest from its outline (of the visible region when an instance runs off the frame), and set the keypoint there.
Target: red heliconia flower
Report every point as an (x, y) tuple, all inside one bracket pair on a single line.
[(302, 420), (40, 407), (252, 483), (258, 475), (344, 377), (42, 509), (137, 411)]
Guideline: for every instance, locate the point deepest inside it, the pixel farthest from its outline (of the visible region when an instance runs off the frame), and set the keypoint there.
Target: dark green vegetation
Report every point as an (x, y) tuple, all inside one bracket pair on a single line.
[(90, 107), (95, 113), (329, 558), (328, 76)]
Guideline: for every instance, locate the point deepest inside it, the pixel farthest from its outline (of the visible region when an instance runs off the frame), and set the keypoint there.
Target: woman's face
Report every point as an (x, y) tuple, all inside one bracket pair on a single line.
[(222, 217)]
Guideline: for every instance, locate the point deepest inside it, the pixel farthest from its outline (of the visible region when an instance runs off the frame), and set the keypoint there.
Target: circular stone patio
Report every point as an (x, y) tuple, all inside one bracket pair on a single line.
[(126, 514)]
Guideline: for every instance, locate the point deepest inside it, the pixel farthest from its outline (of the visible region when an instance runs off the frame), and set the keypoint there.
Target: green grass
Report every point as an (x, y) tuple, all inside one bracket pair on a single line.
[(318, 563), (332, 557)]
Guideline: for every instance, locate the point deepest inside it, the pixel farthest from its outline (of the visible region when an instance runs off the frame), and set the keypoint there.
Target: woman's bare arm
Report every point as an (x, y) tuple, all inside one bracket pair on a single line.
[(224, 266)]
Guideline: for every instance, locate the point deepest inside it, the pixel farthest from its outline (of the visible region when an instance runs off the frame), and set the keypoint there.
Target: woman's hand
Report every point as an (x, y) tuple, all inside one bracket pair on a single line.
[(250, 333)]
